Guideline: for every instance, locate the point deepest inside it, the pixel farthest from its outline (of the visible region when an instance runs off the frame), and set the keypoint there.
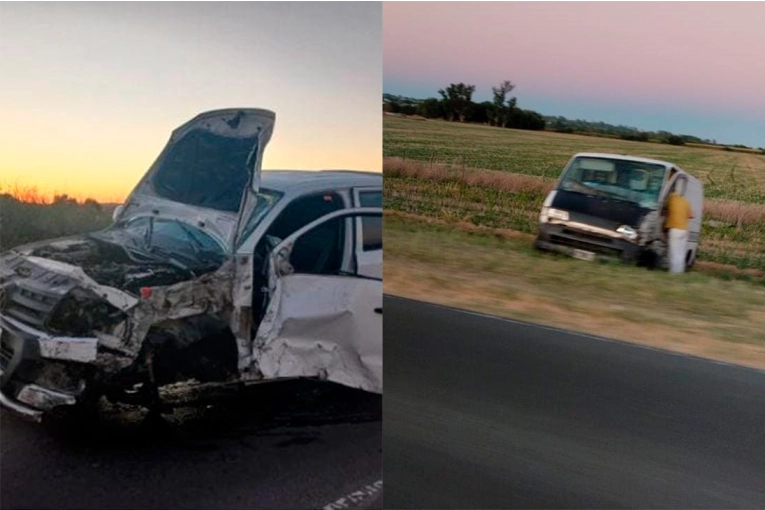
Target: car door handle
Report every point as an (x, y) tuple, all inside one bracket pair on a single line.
[(378, 310)]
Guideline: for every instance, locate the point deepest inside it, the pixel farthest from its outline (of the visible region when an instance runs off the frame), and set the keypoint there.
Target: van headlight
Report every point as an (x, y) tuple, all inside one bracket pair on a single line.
[(627, 232), (549, 213)]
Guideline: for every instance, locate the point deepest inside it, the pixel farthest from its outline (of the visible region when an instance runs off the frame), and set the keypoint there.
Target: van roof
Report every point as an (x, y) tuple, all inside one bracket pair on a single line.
[(625, 158)]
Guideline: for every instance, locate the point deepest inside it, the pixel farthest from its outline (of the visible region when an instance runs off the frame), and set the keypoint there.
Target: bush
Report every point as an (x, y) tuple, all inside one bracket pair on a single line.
[(675, 140)]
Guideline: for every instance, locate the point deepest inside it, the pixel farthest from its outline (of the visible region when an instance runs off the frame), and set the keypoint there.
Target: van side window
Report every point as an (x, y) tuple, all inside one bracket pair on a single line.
[(371, 227)]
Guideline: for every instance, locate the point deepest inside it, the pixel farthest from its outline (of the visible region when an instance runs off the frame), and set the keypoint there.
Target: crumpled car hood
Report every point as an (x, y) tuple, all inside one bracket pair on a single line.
[(203, 172)]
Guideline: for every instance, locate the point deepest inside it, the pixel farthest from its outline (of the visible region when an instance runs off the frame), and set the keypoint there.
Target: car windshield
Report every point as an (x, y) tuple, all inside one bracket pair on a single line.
[(630, 181), (172, 239), (266, 199)]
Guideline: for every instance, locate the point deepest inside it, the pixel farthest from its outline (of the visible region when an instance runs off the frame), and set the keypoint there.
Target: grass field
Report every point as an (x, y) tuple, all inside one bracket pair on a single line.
[(462, 203), (504, 186), (728, 175)]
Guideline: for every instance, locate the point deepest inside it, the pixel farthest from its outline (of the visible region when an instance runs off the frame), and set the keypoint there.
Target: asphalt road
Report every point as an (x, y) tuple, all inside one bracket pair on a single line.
[(486, 413), (285, 445)]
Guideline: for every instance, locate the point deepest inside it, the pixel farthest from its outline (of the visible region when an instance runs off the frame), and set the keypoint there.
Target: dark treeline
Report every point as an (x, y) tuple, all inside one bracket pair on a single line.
[(456, 104), (564, 125)]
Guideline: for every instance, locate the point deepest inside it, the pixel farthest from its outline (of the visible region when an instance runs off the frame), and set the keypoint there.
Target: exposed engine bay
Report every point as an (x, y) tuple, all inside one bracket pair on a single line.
[(112, 265)]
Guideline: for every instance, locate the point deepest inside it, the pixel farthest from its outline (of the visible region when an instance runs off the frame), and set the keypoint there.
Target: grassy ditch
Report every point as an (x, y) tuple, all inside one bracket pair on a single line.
[(497, 271)]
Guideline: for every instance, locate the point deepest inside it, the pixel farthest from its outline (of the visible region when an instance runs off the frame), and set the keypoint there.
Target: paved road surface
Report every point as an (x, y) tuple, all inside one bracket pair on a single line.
[(486, 413), (291, 445)]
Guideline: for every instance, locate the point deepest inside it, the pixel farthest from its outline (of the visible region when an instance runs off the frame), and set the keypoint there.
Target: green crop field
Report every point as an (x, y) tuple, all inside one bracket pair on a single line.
[(499, 178), (726, 175), (462, 203)]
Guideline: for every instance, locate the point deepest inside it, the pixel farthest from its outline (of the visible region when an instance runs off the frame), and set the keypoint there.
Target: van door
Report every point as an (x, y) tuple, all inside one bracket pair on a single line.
[(675, 177), (695, 196), (690, 189)]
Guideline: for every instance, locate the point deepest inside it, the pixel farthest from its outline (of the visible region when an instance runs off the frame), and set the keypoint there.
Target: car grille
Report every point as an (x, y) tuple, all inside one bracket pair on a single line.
[(33, 292), (30, 305)]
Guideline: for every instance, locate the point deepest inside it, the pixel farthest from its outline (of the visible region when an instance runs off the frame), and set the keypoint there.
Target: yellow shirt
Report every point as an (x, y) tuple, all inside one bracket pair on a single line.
[(678, 212)]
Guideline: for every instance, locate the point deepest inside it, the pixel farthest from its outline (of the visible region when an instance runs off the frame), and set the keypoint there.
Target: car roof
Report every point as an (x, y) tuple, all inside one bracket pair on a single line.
[(306, 180), (624, 157)]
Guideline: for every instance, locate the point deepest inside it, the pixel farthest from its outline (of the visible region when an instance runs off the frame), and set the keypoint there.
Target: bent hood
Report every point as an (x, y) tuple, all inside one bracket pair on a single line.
[(205, 172), (598, 211)]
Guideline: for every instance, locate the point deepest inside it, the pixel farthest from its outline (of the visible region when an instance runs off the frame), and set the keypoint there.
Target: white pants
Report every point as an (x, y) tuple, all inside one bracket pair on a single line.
[(677, 243)]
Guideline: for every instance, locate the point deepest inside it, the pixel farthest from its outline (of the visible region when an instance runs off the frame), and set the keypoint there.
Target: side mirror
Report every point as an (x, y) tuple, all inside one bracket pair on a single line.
[(116, 213)]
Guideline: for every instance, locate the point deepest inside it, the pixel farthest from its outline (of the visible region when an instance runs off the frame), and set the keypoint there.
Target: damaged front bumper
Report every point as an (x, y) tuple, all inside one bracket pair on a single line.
[(580, 243), (26, 387)]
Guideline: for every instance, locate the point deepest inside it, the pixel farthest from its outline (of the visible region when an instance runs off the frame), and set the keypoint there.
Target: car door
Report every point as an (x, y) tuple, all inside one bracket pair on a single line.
[(321, 321), (369, 233)]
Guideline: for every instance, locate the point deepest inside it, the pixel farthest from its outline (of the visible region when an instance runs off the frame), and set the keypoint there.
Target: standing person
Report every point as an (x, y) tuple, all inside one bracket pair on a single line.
[(678, 213)]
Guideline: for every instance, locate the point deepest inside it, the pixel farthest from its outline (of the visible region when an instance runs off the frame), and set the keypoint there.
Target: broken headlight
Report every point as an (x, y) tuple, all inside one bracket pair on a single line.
[(550, 213), (81, 313), (627, 232)]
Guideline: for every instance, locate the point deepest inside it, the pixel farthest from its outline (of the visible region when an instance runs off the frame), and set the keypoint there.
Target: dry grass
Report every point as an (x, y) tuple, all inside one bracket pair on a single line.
[(495, 179), (35, 219), (727, 271), (25, 194), (735, 213)]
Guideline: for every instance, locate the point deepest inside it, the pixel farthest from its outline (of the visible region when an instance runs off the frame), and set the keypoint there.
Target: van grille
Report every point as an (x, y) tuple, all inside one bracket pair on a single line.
[(595, 238), (584, 245)]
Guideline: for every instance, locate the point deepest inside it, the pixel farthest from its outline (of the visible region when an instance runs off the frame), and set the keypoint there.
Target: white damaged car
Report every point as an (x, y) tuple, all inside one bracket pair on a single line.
[(213, 273)]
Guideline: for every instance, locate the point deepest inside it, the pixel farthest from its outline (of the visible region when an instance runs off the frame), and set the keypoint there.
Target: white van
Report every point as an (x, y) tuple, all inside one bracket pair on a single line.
[(609, 205)]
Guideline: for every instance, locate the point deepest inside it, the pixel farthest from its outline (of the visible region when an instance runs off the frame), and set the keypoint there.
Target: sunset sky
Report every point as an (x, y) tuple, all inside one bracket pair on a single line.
[(89, 92), (694, 68)]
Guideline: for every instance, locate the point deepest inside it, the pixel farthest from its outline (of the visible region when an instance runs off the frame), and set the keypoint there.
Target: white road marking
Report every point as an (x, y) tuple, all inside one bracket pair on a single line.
[(353, 499), (577, 333)]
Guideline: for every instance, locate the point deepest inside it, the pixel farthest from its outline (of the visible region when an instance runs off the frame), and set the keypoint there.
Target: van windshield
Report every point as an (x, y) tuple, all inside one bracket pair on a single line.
[(630, 181)]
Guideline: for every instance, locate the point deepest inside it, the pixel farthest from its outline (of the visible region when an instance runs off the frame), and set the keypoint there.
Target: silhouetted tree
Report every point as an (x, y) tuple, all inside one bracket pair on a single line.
[(431, 108), (457, 100), (501, 111)]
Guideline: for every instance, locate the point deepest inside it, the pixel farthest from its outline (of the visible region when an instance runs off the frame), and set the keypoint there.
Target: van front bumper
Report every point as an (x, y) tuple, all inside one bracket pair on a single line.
[(571, 241)]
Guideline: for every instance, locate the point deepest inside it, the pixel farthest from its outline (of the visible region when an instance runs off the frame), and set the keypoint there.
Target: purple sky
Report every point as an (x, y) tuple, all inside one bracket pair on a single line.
[(690, 67)]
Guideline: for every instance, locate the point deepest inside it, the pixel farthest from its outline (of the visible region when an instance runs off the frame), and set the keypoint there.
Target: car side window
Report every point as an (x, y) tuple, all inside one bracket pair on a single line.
[(298, 213), (302, 211), (371, 227), (320, 250)]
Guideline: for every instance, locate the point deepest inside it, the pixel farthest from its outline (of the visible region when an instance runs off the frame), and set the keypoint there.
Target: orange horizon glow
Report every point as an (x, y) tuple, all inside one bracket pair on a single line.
[(89, 106), (83, 163)]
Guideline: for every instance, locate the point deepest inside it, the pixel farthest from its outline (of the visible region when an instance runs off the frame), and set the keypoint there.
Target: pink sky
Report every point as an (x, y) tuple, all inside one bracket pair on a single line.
[(693, 55)]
